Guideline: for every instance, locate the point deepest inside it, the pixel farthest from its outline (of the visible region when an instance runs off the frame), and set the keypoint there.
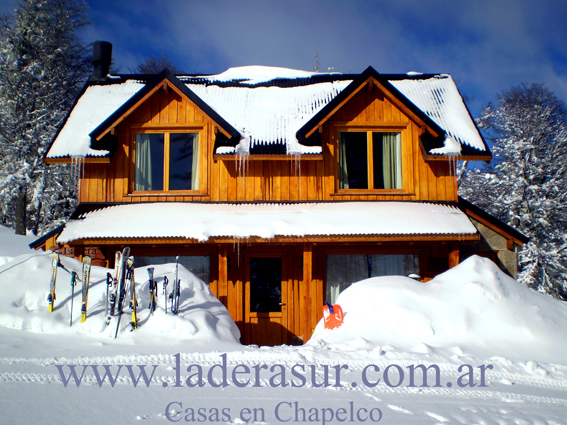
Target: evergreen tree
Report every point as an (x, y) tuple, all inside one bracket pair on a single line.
[(526, 185), (42, 67)]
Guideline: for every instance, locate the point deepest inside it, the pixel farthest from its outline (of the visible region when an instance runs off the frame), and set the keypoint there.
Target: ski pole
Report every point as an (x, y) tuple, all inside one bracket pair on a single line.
[(108, 284), (165, 282)]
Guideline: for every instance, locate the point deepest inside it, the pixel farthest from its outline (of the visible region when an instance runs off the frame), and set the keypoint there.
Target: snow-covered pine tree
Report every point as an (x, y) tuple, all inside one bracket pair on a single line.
[(526, 185), (43, 65)]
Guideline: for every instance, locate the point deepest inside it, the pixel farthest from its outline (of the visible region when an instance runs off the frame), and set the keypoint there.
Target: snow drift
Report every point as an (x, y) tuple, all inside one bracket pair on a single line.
[(472, 309), (12, 245), (24, 283)]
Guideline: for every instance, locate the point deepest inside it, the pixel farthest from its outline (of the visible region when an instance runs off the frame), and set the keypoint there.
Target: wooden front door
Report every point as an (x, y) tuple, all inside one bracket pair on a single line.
[(266, 304)]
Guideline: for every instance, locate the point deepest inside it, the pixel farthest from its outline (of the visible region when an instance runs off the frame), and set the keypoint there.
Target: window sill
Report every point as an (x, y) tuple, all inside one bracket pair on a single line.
[(372, 193), (257, 157), (170, 194)]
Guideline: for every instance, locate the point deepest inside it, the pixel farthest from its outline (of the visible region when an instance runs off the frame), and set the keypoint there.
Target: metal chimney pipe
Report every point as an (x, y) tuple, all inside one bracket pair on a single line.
[(102, 57)]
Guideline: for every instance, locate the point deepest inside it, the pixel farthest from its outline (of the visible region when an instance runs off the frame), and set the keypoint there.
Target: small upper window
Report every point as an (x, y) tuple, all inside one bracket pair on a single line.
[(370, 160), (166, 161)]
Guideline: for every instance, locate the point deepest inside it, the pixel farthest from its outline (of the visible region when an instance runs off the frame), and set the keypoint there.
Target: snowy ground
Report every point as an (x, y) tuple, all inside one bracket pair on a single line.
[(499, 352)]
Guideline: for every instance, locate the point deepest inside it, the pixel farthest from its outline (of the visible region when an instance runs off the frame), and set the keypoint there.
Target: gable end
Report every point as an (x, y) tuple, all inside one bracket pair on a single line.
[(369, 76), (165, 79)]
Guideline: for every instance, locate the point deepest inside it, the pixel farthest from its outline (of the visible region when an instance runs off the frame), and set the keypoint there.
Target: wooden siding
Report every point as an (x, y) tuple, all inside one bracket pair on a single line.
[(240, 179)]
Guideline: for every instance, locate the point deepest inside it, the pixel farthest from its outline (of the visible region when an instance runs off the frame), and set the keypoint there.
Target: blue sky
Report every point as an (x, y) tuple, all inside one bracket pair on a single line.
[(486, 45)]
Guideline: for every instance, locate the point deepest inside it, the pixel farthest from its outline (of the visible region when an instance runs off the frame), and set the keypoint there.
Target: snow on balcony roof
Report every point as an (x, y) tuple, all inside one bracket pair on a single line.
[(266, 113), (440, 99), (201, 221)]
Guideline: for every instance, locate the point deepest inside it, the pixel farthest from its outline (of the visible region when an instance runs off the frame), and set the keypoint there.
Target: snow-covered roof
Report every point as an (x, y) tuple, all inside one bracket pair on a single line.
[(96, 104), (201, 221), (266, 115), (257, 74), (441, 101), (268, 106)]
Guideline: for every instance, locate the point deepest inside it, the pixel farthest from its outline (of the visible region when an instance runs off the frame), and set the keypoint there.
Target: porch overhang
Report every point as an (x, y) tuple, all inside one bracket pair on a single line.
[(189, 223)]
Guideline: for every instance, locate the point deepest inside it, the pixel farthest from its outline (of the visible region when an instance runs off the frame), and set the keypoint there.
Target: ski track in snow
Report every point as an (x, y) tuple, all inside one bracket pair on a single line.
[(249, 359), (519, 381), (473, 403)]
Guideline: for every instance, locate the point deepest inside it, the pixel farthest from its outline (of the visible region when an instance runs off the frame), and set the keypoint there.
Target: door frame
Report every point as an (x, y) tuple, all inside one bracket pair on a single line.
[(282, 318)]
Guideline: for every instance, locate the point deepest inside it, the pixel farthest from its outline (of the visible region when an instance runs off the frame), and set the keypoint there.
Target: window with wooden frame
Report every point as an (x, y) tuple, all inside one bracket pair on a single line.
[(370, 160), (166, 161)]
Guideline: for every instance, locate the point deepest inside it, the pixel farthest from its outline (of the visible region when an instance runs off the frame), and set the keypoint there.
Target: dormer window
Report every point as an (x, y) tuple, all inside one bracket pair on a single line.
[(370, 160), (167, 161)]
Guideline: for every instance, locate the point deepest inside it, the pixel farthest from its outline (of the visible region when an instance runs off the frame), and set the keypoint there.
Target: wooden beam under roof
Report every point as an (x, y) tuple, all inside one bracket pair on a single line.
[(335, 239), (86, 160)]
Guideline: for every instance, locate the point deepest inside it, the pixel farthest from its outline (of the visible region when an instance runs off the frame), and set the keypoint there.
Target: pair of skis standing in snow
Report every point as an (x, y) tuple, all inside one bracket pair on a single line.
[(56, 263), (118, 288)]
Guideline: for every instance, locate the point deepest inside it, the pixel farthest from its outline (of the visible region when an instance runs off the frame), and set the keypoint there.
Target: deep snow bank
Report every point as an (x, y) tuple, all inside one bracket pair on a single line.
[(12, 245), (472, 309), (24, 284)]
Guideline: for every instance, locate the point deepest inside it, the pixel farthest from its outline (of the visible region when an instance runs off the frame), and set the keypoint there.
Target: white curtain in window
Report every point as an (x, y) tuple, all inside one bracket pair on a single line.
[(195, 164), (198, 265), (392, 160), (343, 270), (143, 178), (343, 170), (393, 265)]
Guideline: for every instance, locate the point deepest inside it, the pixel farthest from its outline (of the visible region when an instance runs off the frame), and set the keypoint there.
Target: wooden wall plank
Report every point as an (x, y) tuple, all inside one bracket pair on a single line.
[(258, 180), (163, 107), (172, 105), (267, 180), (285, 180), (232, 181), (312, 302), (223, 182), (241, 171)]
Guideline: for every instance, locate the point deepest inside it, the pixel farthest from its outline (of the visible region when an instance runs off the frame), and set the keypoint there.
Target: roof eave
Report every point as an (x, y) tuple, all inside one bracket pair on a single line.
[(459, 157), (105, 159), (496, 224), (64, 121)]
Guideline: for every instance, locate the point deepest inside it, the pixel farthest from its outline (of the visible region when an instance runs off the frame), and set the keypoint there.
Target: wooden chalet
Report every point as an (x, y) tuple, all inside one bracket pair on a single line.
[(277, 187)]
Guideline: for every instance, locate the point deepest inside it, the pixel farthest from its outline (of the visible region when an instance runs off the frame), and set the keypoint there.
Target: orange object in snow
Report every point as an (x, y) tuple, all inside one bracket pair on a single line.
[(332, 315)]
